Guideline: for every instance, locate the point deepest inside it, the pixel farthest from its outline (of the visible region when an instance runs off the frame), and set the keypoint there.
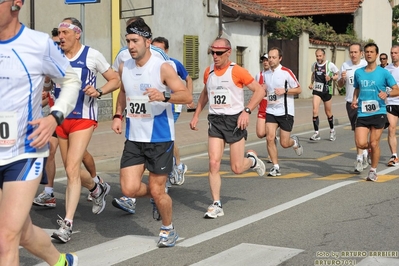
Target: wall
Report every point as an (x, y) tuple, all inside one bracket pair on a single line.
[(374, 21)]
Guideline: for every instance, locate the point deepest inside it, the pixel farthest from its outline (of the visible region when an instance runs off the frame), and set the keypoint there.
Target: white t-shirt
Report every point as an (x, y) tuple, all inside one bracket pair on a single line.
[(25, 60), (395, 73), (350, 69), (278, 79)]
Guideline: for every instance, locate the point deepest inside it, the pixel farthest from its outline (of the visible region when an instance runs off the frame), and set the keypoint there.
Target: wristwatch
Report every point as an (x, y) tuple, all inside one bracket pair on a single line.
[(59, 116), (286, 90), (167, 96), (100, 92), (247, 110)]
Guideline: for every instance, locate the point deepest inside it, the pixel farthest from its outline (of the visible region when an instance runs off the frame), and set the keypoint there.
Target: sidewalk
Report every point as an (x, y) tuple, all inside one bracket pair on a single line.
[(106, 147)]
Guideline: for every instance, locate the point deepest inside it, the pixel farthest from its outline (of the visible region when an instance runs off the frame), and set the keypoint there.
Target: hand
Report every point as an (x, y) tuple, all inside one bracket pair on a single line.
[(193, 123), (44, 129), (190, 105), (279, 91), (343, 75), (354, 105), (117, 125), (154, 95), (311, 86), (243, 120), (89, 90), (328, 78)]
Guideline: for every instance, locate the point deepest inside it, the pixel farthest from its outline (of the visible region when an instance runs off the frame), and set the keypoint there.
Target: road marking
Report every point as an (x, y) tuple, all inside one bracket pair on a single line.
[(378, 261), (291, 175), (116, 250), (337, 177), (261, 215), (385, 178), (260, 255), (328, 157)]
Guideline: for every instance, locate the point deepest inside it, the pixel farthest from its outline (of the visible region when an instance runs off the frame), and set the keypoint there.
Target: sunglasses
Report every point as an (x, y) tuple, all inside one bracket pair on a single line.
[(219, 53), (58, 43), (383, 58)]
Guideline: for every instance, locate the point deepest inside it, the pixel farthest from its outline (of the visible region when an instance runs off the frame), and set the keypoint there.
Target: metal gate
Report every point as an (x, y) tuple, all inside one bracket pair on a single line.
[(290, 50)]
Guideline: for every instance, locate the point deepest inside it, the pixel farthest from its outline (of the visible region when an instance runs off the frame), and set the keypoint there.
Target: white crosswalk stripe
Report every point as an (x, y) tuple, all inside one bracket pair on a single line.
[(259, 255)]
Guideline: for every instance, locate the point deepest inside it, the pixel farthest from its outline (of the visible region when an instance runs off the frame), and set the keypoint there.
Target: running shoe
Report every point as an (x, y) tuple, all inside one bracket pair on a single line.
[(259, 167), (167, 238), (172, 177), (99, 202), (365, 161), (358, 166), (214, 211), (46, 200), (274, 172), (269, 160), (315, 136), (299, 149), (64, 232), (89, 197), (125, 203), (179, 174), (71, 259), (393, 161), (155, 213), (372, 176), (333, 136)]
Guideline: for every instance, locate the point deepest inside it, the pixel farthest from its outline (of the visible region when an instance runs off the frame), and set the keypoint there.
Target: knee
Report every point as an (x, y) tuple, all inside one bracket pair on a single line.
[(285, 143), (214, 165), (236, 169), (8, 240)]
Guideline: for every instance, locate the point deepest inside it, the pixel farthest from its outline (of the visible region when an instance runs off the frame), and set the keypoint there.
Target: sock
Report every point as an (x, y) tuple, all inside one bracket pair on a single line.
[(359, 157), (180, 166), (253, 161), (218, 202), (295, 143), (365, 152), (395, 154), (331, 122), (97, 179), (316, 123), (61, 260), (49, 190), (167, 227), (276, 166), (373, 170), (97, 190), (69, 221)]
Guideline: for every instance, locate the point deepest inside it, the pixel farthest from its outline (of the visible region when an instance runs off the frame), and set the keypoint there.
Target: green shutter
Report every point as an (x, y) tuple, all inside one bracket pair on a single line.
[(190, 55)]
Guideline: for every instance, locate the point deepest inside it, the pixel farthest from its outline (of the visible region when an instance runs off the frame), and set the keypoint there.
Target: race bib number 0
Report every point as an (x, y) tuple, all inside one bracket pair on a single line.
[(138, 107), (370, 106), (220, 98), (318, 86), (8, 129)]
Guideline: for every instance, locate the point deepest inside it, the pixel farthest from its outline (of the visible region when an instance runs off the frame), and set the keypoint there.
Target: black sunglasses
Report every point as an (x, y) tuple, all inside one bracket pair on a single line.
[(383, 58), (219, 53)]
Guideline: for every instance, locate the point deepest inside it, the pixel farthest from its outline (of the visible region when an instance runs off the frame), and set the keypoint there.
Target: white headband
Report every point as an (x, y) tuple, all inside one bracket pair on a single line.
[(70, 26)]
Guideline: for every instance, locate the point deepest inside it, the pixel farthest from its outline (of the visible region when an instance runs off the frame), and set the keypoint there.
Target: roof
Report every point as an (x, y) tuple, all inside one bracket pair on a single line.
[(248, 9), (295, 8)]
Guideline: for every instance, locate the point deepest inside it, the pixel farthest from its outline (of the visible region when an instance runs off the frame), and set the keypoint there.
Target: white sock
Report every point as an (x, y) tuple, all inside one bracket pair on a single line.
[(96, 179), (49, 190)]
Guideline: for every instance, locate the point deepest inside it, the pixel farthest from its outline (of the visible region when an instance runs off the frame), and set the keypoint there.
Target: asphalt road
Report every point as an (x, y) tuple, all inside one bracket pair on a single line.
[(317, 212)]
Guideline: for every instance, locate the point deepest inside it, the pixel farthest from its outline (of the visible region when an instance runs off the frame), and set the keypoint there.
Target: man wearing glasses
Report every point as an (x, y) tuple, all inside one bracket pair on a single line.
[(228, 118), (383, 60)]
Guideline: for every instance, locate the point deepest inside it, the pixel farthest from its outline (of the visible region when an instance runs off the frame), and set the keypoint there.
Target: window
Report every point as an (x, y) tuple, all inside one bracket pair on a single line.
[(240, 56), (190, 55)]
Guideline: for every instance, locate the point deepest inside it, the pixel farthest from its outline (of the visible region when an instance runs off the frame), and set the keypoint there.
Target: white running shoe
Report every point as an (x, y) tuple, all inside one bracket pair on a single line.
[(214, 211), (315, 136), (259, 167)]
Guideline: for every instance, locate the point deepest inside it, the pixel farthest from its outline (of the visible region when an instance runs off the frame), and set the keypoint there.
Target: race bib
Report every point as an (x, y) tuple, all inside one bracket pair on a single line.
[(318, 86), (8, 129), (272, 98), (370, 106), (138, 107), (350, 80), (220, 98)]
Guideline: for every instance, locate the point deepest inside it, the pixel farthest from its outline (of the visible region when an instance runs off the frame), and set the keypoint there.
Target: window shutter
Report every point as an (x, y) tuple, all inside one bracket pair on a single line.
[(191, 54)]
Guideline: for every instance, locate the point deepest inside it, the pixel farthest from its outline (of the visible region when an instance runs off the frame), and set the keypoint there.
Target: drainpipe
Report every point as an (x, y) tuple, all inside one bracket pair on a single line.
[(32, 14), (220, 19)]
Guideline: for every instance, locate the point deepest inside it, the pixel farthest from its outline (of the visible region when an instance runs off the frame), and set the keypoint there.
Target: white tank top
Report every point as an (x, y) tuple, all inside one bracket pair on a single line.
[(225, 98), (146, 121)]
